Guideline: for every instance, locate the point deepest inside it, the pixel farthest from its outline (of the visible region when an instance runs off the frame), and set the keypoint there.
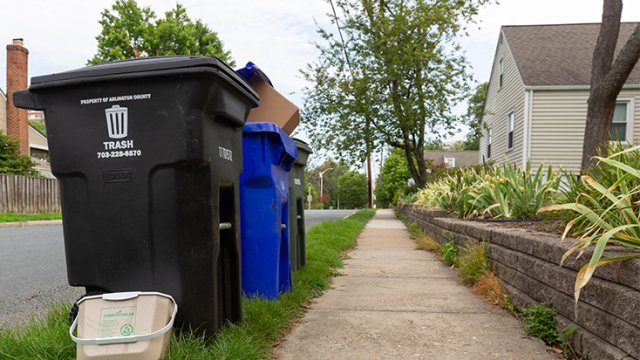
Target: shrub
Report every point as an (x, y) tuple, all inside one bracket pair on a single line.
[(449, 252), (538, 320), (392, 181), (11, 162), (473, 263)]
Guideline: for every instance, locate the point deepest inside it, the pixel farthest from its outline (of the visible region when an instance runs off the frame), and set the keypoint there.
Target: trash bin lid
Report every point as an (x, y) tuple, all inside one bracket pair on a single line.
[(251, 70), (302, 145), (288, 145), (304, 150), (132, 68)]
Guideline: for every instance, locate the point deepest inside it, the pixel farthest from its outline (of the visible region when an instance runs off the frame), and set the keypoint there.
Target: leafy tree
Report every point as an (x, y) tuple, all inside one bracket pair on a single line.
[(434, 144), (457, 146), (11, 162), (330, 180), (608, 75), (473, 118), (393, 177), (129, 31), (393, 79), (352, 190), (311, 188), (39, 125)]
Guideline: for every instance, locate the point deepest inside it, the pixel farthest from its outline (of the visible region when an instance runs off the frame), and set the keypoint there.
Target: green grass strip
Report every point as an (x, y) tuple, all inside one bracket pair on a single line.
[(264, 322), (16, 217)]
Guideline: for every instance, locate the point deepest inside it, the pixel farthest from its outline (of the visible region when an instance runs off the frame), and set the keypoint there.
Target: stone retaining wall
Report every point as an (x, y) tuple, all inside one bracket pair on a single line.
[(608, 313)]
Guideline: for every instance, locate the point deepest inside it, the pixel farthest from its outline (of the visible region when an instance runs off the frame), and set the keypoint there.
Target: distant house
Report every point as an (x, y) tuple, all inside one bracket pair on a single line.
[(37, 142), (3, 112), (453, 158), (536, 103)]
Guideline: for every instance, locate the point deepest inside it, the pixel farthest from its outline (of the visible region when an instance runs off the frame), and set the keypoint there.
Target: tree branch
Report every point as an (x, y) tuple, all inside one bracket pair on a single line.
[(625, 62), (606, 44)]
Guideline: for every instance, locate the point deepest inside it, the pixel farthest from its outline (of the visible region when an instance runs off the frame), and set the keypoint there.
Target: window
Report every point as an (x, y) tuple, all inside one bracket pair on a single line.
[(489, 139), (622, 122), (501, 69), (450, 162), (512, 123)]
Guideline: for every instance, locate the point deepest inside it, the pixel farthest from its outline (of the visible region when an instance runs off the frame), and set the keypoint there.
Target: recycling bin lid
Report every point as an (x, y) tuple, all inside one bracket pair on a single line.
[(252, 70), (288, 145), (159, 65)]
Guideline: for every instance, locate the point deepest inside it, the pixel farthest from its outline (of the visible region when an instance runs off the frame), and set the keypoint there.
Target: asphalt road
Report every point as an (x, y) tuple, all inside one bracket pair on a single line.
[(33, 272), (313, 217)]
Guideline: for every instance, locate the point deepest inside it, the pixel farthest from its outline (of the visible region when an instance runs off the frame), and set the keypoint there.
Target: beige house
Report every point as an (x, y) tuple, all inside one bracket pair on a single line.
[(3, 112), (37, 142), (536, 105), (451, 158), (38, 145)]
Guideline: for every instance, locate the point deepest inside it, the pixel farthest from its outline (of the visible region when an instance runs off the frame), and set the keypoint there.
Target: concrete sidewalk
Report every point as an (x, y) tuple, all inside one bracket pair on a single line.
[(30, 223), (396, 302)]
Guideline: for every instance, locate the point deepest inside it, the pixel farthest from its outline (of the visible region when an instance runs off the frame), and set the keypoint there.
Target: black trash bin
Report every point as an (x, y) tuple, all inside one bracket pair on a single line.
[(148, 153), (297, 243)]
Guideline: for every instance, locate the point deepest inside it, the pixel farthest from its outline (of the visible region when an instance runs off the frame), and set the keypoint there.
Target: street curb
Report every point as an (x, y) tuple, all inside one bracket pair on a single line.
[(30, 223)]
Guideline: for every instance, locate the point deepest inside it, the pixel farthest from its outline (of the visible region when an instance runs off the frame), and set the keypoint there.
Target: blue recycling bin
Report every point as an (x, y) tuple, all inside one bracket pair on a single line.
[(268, 155)]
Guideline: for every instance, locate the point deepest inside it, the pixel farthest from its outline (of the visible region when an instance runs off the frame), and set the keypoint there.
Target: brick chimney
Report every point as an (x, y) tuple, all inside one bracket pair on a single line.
[(17, 120)]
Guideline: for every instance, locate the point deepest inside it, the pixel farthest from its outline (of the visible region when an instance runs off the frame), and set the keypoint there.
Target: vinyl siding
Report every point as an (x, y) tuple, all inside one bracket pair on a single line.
[(36, 139), (557, 127), (499, 103)]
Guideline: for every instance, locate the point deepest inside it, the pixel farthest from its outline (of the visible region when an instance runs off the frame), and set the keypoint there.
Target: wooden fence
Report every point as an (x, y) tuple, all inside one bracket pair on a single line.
[(22, 194)]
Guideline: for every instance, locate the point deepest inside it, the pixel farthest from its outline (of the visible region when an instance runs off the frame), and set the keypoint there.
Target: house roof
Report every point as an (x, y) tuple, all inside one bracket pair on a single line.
[(560, 54)]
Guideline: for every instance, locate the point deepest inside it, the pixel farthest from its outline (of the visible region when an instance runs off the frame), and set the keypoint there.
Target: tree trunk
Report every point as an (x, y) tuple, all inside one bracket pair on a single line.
[(417, 168), (607, 79), (599, 114)]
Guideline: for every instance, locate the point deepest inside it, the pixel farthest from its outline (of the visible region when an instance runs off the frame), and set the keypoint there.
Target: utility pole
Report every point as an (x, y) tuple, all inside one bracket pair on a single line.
[(369, 182)]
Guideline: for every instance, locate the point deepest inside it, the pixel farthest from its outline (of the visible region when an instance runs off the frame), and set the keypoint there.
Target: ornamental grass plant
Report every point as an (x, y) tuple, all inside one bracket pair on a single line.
[(606, 207), (505, 192)]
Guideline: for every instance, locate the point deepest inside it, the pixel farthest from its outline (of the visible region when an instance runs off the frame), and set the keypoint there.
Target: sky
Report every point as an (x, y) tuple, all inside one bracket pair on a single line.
[(277, 35)]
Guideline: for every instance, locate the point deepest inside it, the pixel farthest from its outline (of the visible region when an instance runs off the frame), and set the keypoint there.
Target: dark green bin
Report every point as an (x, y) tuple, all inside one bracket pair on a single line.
[(297, 244)]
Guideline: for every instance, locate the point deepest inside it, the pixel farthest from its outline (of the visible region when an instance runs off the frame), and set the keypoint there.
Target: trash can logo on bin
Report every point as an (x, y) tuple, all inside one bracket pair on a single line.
[(117, 121)]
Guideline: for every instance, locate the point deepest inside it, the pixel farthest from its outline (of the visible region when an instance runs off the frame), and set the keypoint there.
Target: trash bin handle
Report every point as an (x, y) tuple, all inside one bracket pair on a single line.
[(128, 339), (225, 226), (120, 296)]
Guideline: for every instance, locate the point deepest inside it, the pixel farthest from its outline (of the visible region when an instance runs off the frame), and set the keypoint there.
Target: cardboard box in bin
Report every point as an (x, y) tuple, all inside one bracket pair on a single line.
[(274, 107)]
